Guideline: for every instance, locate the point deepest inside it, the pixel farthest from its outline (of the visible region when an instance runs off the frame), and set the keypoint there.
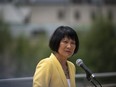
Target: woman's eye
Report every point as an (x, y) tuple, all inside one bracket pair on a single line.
[(73, 43), (65, 41)]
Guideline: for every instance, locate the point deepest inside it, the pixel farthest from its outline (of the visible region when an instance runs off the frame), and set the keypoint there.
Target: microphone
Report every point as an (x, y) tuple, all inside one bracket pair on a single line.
[(89, 73)]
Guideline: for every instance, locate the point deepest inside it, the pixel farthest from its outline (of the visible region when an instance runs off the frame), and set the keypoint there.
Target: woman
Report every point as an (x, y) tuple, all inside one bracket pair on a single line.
[(56, 70)]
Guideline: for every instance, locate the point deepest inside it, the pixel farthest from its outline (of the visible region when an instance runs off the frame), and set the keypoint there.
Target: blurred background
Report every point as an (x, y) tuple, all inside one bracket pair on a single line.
[(26, 26)]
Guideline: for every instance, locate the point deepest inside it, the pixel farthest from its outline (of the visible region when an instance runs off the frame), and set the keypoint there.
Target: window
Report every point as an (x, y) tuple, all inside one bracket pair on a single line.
[(113, 2), (76, 1), (61, 14), (77, 15), (93, 15)]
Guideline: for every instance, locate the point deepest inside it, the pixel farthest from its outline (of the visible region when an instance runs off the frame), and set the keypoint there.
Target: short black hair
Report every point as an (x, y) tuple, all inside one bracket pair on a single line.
[(59, 34)]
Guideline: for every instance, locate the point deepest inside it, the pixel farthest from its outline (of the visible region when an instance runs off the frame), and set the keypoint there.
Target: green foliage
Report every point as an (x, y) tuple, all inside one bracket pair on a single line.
[(99, 46), (19, 56), (28, 53), (5, 42), (5, 37)]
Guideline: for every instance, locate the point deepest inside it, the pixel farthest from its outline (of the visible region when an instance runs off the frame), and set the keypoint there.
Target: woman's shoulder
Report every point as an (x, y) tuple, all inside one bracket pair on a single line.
[(44, 62)]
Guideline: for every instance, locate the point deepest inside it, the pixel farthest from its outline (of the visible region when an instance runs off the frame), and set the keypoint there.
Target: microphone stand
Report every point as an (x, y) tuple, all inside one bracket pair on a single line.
[(91, 77)]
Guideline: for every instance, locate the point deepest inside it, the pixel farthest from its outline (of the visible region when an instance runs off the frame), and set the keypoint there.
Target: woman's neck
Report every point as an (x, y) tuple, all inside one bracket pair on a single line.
[(61, 59), (63, 62)]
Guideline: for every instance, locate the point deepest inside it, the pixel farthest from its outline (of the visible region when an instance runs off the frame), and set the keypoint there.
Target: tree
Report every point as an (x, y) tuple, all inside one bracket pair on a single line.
[(100, 46), (5, 46), (19, 56)]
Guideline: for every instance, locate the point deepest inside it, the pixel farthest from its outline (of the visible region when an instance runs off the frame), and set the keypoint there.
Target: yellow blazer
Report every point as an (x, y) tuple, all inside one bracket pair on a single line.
[(49, 73)]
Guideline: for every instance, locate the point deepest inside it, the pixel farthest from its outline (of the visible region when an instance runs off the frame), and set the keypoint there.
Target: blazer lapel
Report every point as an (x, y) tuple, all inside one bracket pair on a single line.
[(72, 77), (60, 70)]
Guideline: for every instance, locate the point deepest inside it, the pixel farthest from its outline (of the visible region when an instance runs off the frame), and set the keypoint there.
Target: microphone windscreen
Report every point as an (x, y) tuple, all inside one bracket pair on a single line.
[(79, 62)]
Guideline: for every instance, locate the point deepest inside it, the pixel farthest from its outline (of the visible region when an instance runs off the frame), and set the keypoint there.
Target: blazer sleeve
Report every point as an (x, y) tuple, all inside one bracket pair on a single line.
[(42, 74)]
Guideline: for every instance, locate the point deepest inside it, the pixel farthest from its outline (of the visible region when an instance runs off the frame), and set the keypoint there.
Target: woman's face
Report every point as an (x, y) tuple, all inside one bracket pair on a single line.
[(67, 47)]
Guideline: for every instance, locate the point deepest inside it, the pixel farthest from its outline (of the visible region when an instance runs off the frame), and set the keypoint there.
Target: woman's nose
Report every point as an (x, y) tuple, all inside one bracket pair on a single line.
[(69, 45)]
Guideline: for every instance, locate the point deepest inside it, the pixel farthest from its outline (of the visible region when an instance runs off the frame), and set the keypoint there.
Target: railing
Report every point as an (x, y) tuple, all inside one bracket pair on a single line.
[(81, 81), (106, 80)]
